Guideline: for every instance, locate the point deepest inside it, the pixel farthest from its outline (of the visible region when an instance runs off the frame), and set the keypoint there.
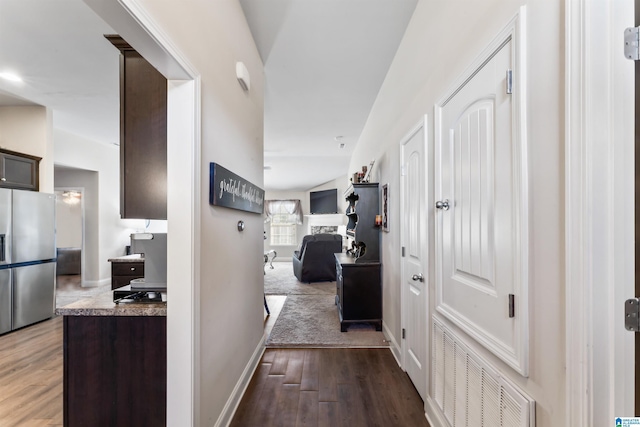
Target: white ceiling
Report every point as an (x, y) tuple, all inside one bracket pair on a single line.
[(58, 48), (324, 63)]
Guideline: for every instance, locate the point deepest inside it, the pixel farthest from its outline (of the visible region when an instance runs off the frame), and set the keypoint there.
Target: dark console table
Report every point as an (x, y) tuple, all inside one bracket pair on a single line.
[(359, 291)]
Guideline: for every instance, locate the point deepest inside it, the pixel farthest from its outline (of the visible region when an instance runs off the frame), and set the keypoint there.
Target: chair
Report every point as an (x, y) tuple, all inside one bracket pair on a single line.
[(314, 262)]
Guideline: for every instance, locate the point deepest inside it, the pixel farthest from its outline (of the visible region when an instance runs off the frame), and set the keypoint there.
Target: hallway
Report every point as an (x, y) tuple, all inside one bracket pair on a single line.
[(329, 387)]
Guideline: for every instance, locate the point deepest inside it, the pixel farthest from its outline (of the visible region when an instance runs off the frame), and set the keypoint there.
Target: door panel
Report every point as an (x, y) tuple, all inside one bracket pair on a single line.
[(5, 301), (414, 262), (479, 243), (33, 293)]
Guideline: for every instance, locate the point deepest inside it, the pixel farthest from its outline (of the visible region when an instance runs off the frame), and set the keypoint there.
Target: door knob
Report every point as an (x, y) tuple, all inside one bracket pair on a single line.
[(444, 204), (418, 277)]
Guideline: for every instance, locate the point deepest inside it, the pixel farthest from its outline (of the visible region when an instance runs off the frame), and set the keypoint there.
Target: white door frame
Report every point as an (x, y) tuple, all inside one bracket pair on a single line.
[(130, 20), (427, 264), (599, 211)]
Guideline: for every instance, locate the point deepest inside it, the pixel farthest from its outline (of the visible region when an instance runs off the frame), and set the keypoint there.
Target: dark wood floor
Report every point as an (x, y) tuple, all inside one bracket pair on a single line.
[(330, 387)]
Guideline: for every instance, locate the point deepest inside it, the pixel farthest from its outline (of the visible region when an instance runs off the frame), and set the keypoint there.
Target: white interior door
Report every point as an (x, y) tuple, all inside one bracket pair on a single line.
[(414, 261), (480, 183)]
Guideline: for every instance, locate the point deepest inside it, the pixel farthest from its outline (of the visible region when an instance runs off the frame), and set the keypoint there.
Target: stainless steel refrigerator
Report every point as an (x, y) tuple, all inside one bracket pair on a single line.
[(27, 258)]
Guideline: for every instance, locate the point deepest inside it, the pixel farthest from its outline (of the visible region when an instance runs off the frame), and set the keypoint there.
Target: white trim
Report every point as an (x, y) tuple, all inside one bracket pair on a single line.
[(434, 415), (599, 212), (241, 386), (394, 347), (516, 355)]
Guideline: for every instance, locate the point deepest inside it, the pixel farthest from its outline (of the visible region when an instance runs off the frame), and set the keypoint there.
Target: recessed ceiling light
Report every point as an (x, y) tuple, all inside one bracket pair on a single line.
[(11, 77)]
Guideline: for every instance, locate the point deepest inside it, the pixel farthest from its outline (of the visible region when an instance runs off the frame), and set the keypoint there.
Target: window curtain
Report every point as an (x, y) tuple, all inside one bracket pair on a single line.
[(291, 207)]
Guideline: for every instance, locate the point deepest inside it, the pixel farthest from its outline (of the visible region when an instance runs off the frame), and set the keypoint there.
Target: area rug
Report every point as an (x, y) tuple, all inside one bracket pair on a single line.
[(281, 281), (312, 321)]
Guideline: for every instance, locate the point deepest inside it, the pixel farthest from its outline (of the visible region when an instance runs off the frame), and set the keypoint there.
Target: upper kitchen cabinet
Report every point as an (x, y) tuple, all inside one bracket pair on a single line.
[(19, 171), (143, 136)]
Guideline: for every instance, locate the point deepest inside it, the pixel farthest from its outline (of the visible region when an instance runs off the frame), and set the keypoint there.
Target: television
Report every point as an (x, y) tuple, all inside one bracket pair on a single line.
[(323, 202)]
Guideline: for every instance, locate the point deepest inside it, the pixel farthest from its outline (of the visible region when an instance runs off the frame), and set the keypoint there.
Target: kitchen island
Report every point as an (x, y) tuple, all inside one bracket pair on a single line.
[(115, 358)]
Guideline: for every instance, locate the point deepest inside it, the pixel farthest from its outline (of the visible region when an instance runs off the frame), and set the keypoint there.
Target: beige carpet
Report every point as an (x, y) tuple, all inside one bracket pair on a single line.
[(309, 317), (281, 281)]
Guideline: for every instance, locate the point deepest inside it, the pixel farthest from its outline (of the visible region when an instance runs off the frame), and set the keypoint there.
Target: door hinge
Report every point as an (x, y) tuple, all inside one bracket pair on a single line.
[(403, 251), (631, 43), (632, 314), (512, 305), (404, 333), (509, 82)]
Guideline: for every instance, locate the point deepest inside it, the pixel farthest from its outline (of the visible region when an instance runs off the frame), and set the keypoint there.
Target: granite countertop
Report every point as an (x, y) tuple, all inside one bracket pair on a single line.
[(103, 305), (128, 258)]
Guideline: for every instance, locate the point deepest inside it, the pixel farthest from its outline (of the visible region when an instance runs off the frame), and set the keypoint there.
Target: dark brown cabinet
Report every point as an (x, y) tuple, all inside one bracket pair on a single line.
[(124, 272), (358, 273), (19, 171), (358, 291), (143, 136), (115, 371)]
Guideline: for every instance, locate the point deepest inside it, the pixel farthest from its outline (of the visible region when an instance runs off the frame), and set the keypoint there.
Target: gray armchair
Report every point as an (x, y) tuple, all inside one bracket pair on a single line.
[(314, 262)]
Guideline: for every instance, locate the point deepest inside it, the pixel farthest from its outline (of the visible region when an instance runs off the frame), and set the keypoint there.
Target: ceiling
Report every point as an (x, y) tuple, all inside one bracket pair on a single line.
[(58, 49), (324, 63)]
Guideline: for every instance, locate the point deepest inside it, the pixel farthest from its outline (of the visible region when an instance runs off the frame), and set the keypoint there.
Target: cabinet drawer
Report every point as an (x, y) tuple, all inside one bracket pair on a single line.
[(127, 269), (120, 281)]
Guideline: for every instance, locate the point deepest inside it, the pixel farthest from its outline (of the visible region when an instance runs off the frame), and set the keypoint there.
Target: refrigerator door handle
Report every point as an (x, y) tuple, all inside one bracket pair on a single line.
[(3, 248)]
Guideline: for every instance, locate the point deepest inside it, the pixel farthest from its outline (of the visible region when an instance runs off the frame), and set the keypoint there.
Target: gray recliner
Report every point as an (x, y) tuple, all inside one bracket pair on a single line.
[(314, 262)]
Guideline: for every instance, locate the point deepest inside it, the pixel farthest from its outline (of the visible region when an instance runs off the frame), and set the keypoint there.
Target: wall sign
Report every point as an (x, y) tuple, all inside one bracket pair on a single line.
[(228, 190)]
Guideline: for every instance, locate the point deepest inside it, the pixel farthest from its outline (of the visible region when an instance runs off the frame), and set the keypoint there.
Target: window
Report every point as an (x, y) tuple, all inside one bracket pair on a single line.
[(284, 216)]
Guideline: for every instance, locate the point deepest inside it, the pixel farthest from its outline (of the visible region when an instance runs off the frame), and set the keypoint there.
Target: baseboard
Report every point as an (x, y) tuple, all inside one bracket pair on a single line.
[(434, 416), (241, 386), (393, 344)]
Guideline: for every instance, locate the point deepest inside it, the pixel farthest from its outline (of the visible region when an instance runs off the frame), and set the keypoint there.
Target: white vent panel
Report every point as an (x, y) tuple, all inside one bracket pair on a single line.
[(469, 391)]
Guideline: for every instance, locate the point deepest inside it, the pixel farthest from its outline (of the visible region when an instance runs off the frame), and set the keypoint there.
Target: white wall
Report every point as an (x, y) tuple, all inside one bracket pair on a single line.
[(27, 130), (442, 39), (106, 234), (212, 36), (68, 221)]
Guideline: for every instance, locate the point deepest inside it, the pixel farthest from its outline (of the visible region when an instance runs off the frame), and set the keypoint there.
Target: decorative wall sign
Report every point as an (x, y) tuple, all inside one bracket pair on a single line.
[(228, 190)]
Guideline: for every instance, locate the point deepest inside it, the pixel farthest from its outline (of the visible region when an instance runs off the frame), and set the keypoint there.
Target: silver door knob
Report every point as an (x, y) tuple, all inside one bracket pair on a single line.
[(444, 204), (3, 179), (418, 277)]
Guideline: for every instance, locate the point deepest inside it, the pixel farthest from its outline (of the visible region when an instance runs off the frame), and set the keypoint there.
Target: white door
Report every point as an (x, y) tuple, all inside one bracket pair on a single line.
[(414, 262), (479, 185)]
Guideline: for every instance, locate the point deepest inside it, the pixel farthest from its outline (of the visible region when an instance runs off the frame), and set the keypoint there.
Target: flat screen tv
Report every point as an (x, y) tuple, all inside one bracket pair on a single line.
[(323, 202)]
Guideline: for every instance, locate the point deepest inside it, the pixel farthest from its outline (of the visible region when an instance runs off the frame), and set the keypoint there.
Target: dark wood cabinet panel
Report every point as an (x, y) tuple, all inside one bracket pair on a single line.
[(115, 371), (19, 171), (124, 272), (358, 291), (143, 136)]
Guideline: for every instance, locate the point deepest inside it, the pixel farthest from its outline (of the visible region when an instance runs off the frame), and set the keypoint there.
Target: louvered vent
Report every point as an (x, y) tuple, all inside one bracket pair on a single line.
[(471, 393)]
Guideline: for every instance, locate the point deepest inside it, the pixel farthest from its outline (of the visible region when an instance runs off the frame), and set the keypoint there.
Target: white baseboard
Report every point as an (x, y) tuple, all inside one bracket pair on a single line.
[(434, 416), (241, 386), (394, 347)]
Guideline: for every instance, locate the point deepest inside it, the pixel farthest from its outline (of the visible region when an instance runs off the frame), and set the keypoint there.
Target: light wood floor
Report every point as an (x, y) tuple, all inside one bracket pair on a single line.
[(330, 387), (31, 376)]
